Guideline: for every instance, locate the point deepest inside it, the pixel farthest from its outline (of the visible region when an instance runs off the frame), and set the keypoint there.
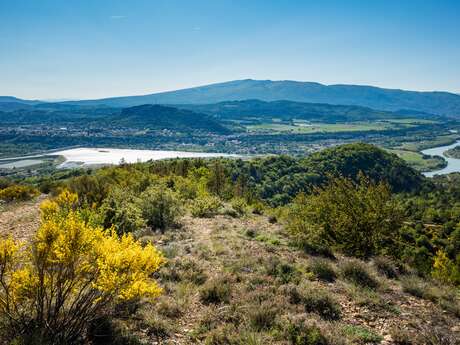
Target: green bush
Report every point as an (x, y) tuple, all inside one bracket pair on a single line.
[(240, 206), (4, 182), (321, 303), (283, 271), (18, 193), (300, 332), (357, 273), (360, 219), (120, 209), (258, 208), (323, 270), (205, 206), (90, 189), (160, 207)]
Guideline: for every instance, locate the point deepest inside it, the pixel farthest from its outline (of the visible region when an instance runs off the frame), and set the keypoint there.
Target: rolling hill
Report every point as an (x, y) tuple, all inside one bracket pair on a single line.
[(161, 117), (10, 103), (440, 103)]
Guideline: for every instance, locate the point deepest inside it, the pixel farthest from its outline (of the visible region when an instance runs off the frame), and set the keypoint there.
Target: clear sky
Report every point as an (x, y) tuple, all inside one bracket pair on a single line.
[(52, 49)]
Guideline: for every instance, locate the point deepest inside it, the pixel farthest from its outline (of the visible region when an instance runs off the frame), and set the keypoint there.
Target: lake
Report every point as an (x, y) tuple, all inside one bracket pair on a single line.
[(103, 156), (453, 164)]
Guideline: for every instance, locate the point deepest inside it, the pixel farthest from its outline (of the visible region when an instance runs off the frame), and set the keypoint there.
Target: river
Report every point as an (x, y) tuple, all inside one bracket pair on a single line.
[(453, 164)]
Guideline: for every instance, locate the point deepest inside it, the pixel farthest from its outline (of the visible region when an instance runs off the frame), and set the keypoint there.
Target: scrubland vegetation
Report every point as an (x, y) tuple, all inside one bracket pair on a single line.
[(346, 246)]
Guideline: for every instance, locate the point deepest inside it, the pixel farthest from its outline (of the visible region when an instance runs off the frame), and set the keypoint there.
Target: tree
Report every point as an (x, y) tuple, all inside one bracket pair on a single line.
[(217, 180), (71, 273), (120, 210), (359, 218), (160, 207)]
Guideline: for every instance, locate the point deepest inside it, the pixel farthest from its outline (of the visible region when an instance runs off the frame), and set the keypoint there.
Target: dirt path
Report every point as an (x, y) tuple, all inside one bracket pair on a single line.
[(20, 220)]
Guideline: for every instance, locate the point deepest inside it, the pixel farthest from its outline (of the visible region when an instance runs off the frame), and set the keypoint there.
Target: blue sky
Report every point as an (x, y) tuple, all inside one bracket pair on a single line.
[(51, 49)]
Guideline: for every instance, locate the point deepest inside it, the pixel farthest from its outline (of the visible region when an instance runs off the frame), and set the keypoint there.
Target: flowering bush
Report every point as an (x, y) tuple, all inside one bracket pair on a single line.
[(205, 205), (71, 274), (18, 193)]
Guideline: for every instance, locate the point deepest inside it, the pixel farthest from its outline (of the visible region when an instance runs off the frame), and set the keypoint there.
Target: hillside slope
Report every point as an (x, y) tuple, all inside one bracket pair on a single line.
[(237, 281), (286, 110), (161, 117), (440, 103)]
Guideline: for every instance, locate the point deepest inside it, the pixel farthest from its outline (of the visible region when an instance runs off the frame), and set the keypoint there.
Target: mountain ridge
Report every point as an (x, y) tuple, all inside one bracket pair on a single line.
[(436, 102)]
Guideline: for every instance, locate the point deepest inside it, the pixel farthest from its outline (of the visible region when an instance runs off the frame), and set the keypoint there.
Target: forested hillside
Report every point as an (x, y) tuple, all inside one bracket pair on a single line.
[(286, 110), (161, 117)]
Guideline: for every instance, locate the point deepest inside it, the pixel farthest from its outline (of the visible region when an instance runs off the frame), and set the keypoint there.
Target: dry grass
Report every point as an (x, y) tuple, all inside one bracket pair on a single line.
[(237, 281)]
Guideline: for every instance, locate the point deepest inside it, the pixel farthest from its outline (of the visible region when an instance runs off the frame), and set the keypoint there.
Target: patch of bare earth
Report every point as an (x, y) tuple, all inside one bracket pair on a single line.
[(20, 220)]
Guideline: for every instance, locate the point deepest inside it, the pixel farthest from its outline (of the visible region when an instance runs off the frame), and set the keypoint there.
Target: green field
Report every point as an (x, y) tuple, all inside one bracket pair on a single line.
[(302, 127), (417, 160), (410, 121), (426, 144)]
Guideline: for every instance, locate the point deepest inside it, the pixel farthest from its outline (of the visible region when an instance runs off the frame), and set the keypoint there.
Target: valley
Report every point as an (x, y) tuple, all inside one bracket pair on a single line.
[(244, 127)]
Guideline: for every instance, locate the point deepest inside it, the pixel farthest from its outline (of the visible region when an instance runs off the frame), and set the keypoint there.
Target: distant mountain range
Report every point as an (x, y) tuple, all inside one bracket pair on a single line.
[(11, 99), (439, 103)]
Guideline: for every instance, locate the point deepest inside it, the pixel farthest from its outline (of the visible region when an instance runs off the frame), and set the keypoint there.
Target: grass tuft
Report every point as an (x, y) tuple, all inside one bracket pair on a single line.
[(357, 273)]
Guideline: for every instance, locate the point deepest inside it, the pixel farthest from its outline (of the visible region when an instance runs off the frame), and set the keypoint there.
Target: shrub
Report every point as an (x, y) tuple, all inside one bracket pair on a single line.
[(386, 266), (292, 292), (205, 206), (251, 233), (357, 273), (240, 206), (360, 219), (299, 331), (120, 210), (361, 335), (18, 193), (258, 208), (186, 188), (423, 288), (183, 270), (415, 286), (323, 270), (105, 331), (157, 326), (160, 207), (400, 336), (272, 219), (5, 182), (90, 189), (169, 308), (262, 316), (321, 303), (69, 275), (216, 291), (222, 335), (283, 271), (444, 269)]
